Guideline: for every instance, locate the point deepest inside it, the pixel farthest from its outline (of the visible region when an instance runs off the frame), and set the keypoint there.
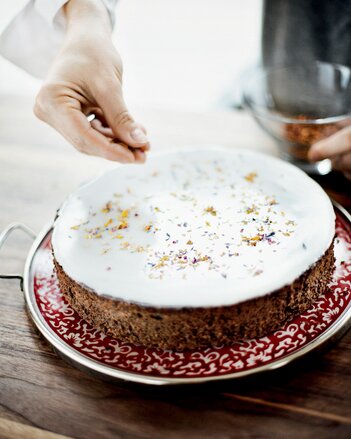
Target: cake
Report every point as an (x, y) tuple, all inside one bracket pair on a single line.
[(195, 248)]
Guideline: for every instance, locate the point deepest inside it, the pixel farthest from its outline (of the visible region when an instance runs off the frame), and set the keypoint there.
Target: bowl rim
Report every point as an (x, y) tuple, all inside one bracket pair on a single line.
[(266, 114)]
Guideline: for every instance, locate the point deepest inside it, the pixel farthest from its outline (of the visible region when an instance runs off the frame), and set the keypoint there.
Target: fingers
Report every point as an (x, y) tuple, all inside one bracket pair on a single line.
[(336, 144), (342, 162), (62, 109), (139, 155), (336, 147), (74, 126), (110, 99), (98, 126), (90, 141), (145, 147)]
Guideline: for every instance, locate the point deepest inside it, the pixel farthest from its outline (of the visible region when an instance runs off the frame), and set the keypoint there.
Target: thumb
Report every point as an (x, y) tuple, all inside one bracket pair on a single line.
[(124, 127)]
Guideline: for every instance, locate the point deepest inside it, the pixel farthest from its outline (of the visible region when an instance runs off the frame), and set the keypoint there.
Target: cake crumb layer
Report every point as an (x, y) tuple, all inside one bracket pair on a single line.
[(188, 328)]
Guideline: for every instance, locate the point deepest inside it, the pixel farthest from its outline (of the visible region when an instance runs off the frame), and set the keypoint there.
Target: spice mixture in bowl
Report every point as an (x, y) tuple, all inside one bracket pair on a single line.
[(299, 106)]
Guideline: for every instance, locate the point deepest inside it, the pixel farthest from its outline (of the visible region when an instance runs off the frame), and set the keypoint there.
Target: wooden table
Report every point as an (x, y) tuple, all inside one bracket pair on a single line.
[(43, 397)]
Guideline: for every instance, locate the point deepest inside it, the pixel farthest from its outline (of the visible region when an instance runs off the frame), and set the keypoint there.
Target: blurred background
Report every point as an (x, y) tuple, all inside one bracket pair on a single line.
[(184, 65), (178, 55)]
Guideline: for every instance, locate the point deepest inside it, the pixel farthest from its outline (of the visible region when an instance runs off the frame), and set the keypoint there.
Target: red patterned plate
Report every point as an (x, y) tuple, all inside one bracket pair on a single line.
[(90, 349)]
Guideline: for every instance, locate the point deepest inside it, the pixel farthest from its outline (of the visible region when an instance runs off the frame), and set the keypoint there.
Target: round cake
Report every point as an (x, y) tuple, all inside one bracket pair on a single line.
[(195, 248)]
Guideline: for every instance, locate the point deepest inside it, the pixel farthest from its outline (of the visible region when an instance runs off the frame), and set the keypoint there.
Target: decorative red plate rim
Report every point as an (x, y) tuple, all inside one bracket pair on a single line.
[(241, 358)]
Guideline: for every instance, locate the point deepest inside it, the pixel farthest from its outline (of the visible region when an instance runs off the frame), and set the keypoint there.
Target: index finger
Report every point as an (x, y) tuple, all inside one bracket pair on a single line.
[(336, 144)]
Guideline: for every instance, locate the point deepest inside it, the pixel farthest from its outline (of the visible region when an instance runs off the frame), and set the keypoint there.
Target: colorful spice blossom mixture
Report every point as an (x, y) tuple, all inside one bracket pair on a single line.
[(304, 135), (204, 225)]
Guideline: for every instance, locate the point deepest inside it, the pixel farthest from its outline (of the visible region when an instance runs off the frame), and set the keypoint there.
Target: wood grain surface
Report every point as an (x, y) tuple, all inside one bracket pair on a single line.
[(41, 396)]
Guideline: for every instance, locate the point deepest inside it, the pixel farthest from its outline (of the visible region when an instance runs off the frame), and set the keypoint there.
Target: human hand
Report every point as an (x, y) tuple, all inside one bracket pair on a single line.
[(86, 78), (337, 148)]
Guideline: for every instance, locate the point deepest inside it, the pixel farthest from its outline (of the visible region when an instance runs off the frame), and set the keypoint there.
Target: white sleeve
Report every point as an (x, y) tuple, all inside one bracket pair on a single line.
[(32, 39)]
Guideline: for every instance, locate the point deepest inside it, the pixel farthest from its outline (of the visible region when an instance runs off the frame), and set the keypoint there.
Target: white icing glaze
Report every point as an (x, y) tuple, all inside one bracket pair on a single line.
[(212, 213)]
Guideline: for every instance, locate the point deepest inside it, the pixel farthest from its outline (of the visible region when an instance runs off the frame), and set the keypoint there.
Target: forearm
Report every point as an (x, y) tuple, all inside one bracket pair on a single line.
[(35, 35)]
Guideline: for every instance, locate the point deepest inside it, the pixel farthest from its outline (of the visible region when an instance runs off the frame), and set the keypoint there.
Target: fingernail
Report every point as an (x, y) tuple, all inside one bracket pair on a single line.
[(139, 136)]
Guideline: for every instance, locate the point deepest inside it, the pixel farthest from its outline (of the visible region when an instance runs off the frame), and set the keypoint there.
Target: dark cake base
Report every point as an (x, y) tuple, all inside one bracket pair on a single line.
[(178, 329)]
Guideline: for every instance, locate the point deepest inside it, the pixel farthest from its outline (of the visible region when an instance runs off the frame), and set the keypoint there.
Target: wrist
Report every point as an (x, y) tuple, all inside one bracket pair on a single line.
[(84, 15)]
